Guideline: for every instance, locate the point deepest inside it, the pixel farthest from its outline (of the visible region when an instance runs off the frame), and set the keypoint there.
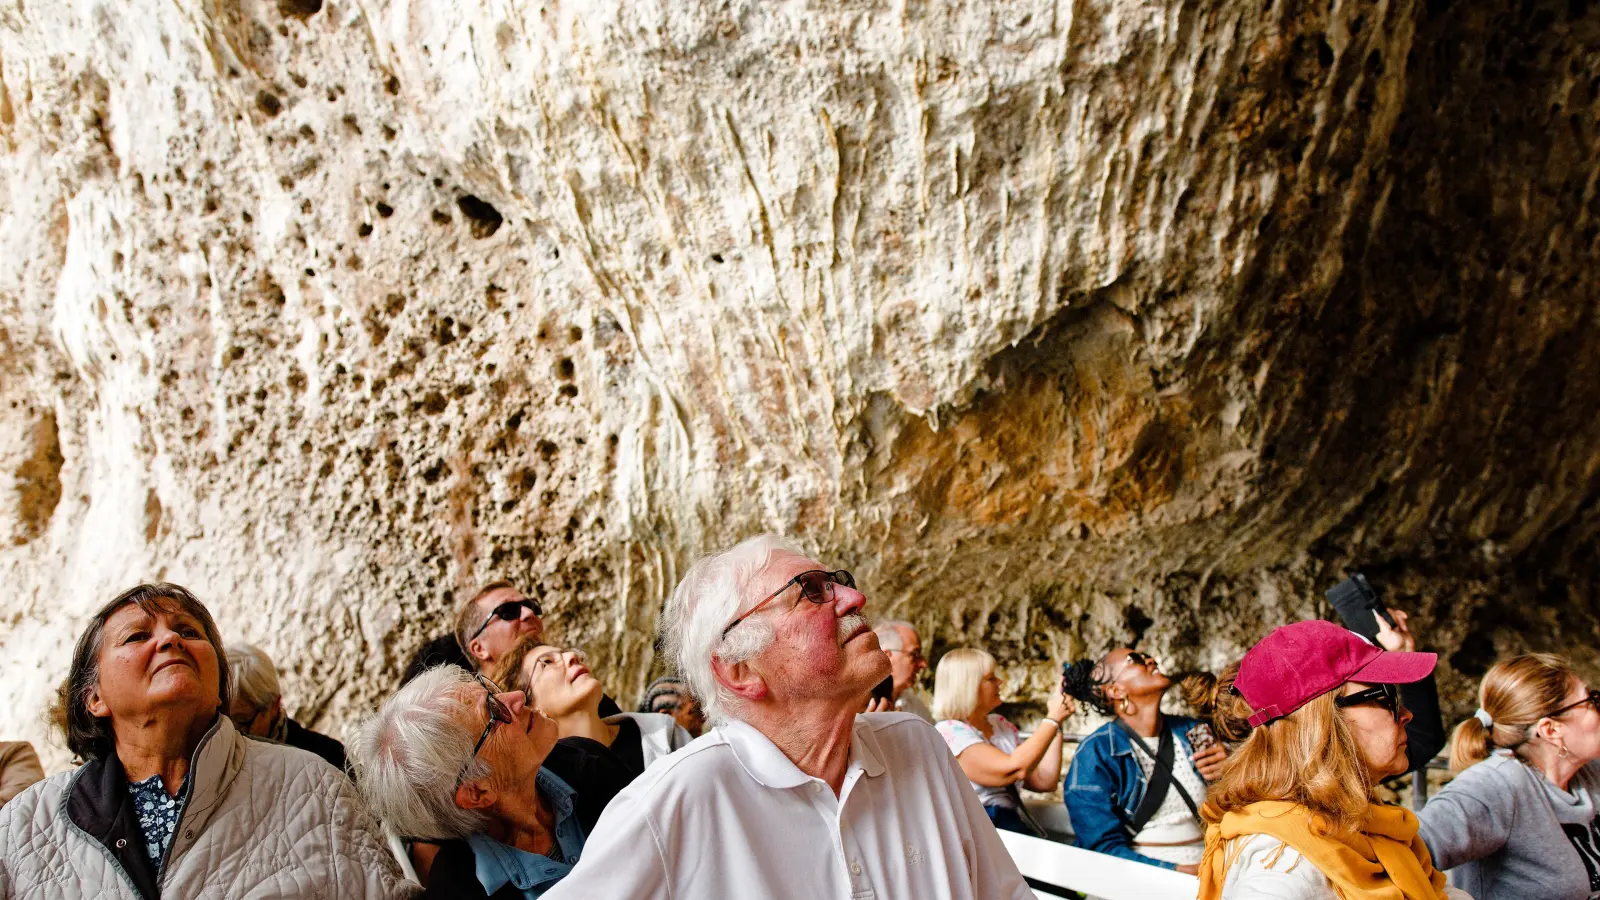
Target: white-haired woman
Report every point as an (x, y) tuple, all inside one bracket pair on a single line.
[(172, 801), (453, 760), (989, 749), (256, 707), (557, 681)]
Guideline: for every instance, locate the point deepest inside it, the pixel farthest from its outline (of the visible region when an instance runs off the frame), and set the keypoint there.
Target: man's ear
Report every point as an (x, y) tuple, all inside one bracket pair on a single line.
[(476, 649), (739, 678), (97, 707), (475, 795)]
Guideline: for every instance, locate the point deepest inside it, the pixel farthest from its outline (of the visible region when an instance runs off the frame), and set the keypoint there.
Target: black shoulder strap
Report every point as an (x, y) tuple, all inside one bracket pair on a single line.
[(1161, 779)]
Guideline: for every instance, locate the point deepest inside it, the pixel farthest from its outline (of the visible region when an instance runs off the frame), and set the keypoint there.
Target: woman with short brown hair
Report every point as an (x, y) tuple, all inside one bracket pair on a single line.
[(172, 800), (1293, 816)]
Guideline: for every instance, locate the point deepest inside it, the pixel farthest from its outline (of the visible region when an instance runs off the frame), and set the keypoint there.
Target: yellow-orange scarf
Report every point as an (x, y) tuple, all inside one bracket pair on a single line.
[(1386, 860)]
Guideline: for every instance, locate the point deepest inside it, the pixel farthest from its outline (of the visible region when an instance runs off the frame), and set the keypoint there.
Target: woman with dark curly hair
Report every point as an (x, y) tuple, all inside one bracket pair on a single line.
[(1136, 784)]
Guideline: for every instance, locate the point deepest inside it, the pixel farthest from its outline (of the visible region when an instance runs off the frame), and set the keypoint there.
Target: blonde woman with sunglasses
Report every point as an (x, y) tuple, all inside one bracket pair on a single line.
[(558, 682), (1519, 820)]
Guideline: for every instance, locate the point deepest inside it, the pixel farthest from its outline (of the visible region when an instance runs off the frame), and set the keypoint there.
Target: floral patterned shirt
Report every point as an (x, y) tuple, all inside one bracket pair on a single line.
[(158, 813)]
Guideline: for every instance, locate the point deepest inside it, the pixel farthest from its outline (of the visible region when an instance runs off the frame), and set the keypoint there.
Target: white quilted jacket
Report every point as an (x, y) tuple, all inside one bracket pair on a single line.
[(262, 821)]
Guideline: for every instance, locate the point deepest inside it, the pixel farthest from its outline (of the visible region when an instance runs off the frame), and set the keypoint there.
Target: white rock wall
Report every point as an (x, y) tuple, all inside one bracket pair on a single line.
[(332, 311)]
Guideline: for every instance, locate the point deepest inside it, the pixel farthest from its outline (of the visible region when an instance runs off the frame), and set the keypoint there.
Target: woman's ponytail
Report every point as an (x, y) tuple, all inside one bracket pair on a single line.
[(1514, 695), (1470, 743), (1230, 712)]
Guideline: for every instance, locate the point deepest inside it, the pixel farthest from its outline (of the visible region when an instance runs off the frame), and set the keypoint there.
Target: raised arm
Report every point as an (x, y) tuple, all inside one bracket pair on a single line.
[(1037, 759)]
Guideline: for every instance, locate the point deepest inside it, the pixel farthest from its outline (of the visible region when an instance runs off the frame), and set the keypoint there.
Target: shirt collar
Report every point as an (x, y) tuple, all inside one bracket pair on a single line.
[(768, 766), (497, 864), (556, 792)]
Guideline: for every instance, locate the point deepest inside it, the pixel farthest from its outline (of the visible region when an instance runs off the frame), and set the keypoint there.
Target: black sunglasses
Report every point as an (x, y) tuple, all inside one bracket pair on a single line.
[(1385, 695), (815, 585), (509, 611), (499, 714), (1593, 700)]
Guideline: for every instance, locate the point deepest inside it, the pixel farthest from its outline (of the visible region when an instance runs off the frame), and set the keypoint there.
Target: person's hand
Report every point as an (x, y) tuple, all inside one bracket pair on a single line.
[(1396, 638), (1059, 706), (879, 704), (1189, 869), (1208, 762)]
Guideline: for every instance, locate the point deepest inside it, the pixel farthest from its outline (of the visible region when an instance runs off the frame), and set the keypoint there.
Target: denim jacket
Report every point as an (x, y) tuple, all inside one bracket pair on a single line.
[(1106, 784)]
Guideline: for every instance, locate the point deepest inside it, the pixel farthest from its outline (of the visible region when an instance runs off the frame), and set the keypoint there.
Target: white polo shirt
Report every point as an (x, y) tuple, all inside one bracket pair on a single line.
[(729, 816)]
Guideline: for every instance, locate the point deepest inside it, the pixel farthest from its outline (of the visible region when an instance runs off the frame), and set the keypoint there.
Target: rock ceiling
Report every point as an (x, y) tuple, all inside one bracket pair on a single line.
[(1063, 325)]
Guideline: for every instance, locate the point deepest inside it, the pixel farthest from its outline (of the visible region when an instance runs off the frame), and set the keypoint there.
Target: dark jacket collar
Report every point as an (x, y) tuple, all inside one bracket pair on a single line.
[(98, 802)]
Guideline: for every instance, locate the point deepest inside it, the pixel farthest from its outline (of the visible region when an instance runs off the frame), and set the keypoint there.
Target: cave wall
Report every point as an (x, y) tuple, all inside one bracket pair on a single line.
[(1063, 325)]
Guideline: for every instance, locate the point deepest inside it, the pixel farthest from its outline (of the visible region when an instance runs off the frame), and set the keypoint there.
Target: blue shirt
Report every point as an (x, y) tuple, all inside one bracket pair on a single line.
[(158, 813), (533, 874), (1105, 786)]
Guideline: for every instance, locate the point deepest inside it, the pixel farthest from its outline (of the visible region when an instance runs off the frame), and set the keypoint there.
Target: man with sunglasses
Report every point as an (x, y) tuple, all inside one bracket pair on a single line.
[(492, 622), (793, 794)]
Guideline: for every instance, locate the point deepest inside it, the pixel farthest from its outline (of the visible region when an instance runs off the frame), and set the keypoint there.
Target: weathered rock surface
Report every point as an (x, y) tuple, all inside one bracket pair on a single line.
[(1061, 324)]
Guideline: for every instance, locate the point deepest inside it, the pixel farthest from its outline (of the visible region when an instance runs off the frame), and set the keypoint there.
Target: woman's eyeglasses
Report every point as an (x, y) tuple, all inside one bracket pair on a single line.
[(509, 611), (1592, 699), (499, 714), (815, 585), (1384, 695), (553, 657), (1134, 658)]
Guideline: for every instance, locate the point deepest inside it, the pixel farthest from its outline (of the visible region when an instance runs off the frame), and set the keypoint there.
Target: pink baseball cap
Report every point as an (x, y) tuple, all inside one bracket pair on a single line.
[(1298, 663)]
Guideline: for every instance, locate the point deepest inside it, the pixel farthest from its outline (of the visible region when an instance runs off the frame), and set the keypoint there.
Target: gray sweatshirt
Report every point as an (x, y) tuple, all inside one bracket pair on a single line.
[(1505, 832)]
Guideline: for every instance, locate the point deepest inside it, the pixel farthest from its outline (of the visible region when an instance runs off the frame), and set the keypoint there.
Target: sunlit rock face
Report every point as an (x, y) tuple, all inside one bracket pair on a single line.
[(1062, 325)]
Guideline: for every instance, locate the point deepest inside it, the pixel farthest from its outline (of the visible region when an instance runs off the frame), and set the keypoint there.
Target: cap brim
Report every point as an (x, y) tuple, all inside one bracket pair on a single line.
[(1391, 667)]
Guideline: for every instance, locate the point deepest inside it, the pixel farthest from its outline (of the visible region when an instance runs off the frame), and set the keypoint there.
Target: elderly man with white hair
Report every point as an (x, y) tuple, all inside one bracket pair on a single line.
[(903, 646), (793, 794), (256, 706), (453, 760)]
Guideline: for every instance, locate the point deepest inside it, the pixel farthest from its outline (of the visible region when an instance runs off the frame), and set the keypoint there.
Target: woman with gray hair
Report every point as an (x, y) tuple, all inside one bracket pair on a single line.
[(257, 706), (172, 800), (454, 761)]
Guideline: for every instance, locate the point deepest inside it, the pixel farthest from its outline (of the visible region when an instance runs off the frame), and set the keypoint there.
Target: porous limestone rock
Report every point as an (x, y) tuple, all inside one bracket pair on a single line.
[(1063, 325)]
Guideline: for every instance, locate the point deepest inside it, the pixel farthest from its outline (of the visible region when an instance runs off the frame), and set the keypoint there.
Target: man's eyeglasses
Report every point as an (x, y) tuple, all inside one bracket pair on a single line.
[(509, 611), (499, 714), (1593, 700), (815, 585), (1385, 695)]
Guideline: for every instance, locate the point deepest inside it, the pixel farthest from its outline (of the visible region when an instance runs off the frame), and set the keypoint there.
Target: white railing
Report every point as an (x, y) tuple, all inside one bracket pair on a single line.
[(1096, 874)]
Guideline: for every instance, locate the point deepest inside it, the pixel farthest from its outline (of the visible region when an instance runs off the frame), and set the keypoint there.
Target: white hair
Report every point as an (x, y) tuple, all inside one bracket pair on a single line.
[(407, 756), (254, 678), (889, 637), (710, 596)]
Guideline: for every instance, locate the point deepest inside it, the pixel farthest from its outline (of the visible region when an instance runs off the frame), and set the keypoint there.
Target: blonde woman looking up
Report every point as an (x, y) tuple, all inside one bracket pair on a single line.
[(1293, 816), (989, 749), (1519, 818)]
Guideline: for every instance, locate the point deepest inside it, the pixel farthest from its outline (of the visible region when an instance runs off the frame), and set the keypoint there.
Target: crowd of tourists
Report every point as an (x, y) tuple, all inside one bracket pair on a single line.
[(789, 754)]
